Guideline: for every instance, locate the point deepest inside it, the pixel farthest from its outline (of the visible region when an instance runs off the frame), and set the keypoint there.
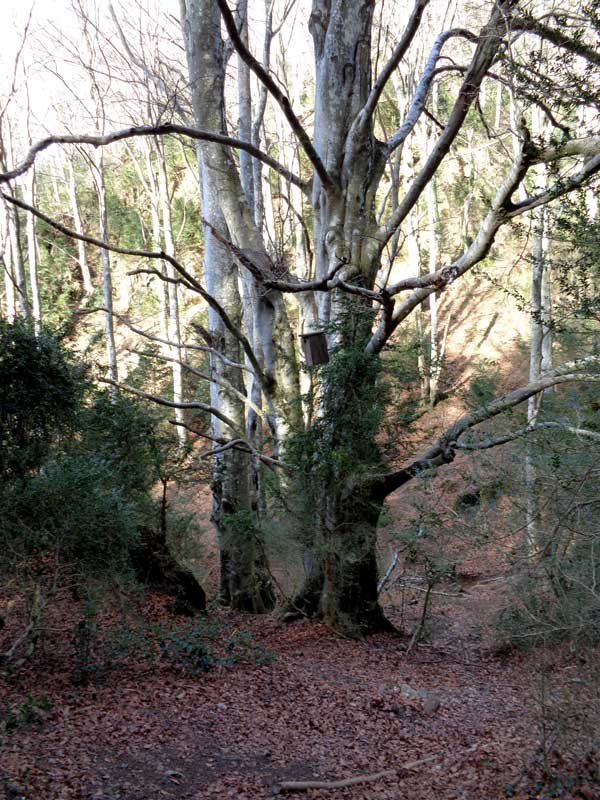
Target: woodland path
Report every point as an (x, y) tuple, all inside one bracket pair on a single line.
[(326, 708)]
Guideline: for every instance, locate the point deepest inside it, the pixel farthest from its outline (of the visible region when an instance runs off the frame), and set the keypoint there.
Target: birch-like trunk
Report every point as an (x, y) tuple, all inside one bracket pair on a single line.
[(173, 324), (540, 356), (107, 290), (245, 579), (22, 304), (82, 259), (32, 252), (18, 263), (540, 352), (7, 268)]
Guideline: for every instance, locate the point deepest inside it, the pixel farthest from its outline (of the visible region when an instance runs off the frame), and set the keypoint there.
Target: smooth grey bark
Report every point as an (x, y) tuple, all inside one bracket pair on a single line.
[(172, 305), (245, 580), (86, 276), (32, 253), (6, 261), (107, 289), (13, 232), (20, 282)]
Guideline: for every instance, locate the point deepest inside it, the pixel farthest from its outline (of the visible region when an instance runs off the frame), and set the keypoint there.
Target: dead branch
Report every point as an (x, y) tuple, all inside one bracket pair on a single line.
[(300, 786), (170, 403)]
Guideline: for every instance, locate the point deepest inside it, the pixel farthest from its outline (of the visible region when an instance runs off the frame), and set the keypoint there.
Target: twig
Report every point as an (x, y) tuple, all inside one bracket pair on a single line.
[(300, 786), (419, 629)]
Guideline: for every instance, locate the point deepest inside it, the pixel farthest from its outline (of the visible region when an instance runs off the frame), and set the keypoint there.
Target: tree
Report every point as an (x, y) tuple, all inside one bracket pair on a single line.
[(332, 444)]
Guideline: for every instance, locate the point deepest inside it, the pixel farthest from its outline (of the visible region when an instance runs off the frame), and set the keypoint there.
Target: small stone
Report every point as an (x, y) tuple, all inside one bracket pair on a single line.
[(431, 704), (408, 691), (221, 706)]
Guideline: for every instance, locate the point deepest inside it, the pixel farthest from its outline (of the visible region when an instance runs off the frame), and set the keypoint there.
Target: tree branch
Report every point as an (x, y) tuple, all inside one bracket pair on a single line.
[(560, 188), (557, 37), (489, 40), (443, 451), (480, 247), (210, 378), (189, 281), (151, 130), (171, 404), (487, 444), (153, 338), (418, 104), (244, 447), (400, 50), (276, 93), (331, 281)]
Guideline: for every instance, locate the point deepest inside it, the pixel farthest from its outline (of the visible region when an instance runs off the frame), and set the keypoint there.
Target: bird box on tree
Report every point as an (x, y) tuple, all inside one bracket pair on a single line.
[(315, 348)]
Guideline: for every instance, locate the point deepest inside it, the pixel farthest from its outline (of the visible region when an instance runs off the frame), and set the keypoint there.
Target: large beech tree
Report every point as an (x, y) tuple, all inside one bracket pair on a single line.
[(327, 448)]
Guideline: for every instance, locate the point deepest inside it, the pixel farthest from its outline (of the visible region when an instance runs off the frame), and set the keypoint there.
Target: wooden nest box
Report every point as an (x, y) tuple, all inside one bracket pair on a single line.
[(315, 348)]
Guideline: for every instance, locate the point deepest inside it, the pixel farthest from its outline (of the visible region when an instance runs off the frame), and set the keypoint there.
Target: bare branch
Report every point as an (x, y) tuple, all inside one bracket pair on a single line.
[(161, 401), (443, 451), (245, 447), (150, 130), (277, 94), (153, 338), (189, 280), (487, 444), (558, 189), (490, 38), (588, 147), (400, 50), (557, 37), (209, 378), (417, 106), (480, 247)]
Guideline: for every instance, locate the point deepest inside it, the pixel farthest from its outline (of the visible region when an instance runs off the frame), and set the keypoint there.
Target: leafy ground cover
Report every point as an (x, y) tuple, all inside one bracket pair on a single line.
[(295, 703)]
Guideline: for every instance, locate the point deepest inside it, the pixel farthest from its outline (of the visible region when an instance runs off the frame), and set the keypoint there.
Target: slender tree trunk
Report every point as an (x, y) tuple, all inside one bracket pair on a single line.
[(7, 264), (86, 276), (22, 304), (14, 231), (540, 357), (107, 291), (32, 252), (173, 325)]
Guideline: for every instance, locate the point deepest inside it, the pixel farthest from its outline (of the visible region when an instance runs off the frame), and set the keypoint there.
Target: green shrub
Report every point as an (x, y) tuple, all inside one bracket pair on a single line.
[(29, 711), (41, 389)]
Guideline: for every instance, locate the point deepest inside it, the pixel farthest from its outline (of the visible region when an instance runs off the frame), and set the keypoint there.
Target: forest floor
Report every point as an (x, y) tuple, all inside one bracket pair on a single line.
[(452, 718)]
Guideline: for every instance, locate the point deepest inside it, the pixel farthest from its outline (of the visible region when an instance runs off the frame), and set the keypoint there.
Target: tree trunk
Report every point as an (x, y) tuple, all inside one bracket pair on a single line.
[(349, 599), (86, 276), (109, 330), (341, 584), (173, 326), (32, 253), (6, 262), (14, 231), (22, 304), (245, 579), (540, 349)]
